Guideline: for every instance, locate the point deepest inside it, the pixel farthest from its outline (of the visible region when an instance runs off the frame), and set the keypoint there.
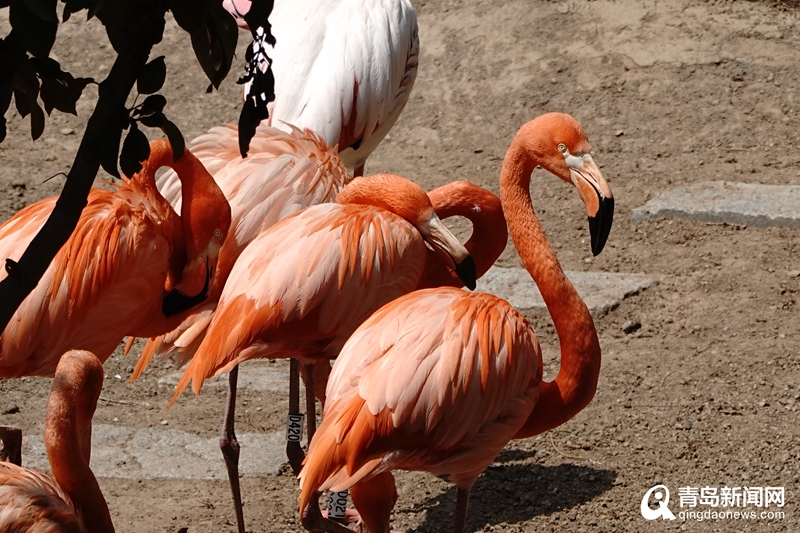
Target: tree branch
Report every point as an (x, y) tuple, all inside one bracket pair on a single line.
[(146, 25)]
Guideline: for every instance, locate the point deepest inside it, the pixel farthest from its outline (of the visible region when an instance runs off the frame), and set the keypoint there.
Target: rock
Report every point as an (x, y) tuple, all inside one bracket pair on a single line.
[(743, 204), (602, 291), (631, 326)]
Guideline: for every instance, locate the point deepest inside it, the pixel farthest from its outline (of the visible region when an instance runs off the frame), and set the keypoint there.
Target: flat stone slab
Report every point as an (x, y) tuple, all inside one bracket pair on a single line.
[(150, 453), (744, 204), (258, 375), (602, 291)]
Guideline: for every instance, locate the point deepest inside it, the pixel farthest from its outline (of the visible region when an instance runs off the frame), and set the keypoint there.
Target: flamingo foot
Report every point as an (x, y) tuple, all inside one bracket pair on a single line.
[(313, 519), (296, 455)]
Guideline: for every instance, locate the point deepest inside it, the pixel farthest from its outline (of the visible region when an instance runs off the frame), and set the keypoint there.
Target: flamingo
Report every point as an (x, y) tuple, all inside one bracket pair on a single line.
[(343, 69), (131, 267), (440, 380), (72, 502), (304, 285), (487, 242)]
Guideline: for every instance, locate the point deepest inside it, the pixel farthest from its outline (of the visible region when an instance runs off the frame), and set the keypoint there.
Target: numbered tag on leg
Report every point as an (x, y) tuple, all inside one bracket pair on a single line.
[(294, 428), (337, 504)]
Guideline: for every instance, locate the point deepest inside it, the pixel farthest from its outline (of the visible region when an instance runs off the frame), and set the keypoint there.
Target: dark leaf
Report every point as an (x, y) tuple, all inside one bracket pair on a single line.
[(155, 120), (37, 121), (175, 139), (35, 34), (152, 104), (257, 17), (73, 6), (26, 88), (44, 9), (60, 90), (12, 56), (190, 14), (135, 149), (152, 77), (215, 43)]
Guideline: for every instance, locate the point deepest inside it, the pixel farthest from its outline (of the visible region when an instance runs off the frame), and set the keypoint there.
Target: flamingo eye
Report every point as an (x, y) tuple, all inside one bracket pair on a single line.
[(218, 233), (562, 148)]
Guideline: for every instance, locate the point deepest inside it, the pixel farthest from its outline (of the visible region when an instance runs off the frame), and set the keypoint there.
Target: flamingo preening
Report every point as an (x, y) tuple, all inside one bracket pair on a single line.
[(440, 380), (70, 501), (131, 267)]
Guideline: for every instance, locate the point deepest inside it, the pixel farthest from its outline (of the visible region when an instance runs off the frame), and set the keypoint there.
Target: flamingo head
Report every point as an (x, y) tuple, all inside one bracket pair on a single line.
[(206, 221), (563, 149), (409, 201)]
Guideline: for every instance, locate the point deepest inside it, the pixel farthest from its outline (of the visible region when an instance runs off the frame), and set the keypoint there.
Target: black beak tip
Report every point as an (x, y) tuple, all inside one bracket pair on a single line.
[(467, 273), (176, 302), (600, 225)]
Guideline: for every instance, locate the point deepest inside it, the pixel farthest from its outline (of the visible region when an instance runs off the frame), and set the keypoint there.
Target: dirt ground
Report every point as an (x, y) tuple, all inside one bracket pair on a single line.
[(670, 93)]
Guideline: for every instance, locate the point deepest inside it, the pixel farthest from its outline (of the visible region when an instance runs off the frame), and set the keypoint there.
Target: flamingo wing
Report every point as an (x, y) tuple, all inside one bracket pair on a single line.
[(92, 293), (437, 380), (308, 280), (284, 173), (33, 502), (343, 69)]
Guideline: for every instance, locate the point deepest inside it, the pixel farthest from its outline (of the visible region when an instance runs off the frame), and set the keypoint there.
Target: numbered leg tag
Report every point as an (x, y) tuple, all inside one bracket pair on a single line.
[(337, 504), (294, 428)]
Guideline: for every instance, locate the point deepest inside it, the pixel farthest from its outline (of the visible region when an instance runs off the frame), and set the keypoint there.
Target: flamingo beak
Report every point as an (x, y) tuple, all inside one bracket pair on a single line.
[(178, 301), (596, 195), (447, 246)]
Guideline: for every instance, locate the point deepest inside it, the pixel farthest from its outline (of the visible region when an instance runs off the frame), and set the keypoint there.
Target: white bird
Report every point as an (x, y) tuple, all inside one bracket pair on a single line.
[(343, 69)]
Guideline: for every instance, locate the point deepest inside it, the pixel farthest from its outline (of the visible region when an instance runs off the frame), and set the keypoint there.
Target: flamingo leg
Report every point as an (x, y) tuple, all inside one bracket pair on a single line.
[(462, 501), (11, 438), (358, 171), (312, 519), (293, 449), (311, 405), (229, 446)]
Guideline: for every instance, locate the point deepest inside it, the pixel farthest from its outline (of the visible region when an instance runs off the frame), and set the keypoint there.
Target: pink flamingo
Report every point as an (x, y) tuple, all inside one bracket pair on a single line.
[(131, 267), (440, 380)]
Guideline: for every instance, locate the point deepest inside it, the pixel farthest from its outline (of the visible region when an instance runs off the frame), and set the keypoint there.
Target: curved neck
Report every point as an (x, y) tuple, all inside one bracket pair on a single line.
[(489, 234), (576, 382), (68, 442)]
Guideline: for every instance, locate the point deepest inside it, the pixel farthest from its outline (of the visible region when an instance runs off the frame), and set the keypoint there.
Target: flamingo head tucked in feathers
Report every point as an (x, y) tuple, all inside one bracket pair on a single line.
[(408, 200), (206, 221), (565, 151)]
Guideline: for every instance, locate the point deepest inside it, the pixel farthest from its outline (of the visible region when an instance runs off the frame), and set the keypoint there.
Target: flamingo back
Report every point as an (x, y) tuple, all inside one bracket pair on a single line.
[(438, 380), (34, 503), (284, 174), (92, 293), (301, 288), (343, 69)]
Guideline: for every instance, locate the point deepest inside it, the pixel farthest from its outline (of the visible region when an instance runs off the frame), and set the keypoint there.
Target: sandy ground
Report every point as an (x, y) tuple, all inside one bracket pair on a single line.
[(670, 93)]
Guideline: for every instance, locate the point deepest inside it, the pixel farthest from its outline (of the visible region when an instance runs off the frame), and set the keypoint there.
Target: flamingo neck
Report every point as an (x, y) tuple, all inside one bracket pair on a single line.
[(576, 382), (68, 443), (489, 233)]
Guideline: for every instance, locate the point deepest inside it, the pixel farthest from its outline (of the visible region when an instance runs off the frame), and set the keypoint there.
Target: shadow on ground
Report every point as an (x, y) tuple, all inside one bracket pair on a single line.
[(529, 490)]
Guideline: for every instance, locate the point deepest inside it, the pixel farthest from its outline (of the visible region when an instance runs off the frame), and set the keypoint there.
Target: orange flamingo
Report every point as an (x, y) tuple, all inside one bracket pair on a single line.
[(131, 267), (441, 379), (72, 502), (302, 287), (284, 174), (487, 242)]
